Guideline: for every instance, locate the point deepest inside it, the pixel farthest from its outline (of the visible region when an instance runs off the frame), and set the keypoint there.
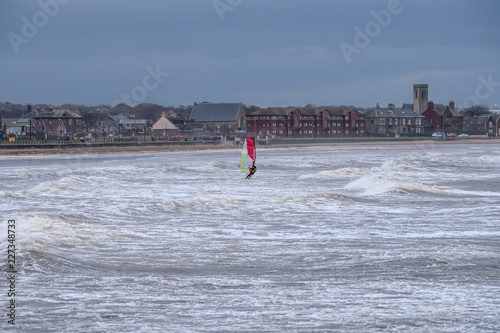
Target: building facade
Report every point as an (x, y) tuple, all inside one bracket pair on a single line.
[(308, 122), (49, 123), (392, 121)]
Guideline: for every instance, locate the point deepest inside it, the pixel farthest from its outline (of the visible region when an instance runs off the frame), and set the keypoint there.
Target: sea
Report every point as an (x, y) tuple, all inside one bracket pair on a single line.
[(346, 238)]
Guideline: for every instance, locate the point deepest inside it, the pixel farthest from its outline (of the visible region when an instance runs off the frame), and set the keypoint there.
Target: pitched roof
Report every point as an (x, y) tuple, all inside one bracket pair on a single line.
[(377, 111), (406, 112), (407, 106), (483, 119), (14, 122), (334, 110), (306, 111), (121, 119), (207, 112), (57, 113), (274, 111), (454, 111), (163, 123)]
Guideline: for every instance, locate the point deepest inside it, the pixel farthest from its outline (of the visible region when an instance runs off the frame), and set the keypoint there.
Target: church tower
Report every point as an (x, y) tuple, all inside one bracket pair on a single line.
[(420, 97)]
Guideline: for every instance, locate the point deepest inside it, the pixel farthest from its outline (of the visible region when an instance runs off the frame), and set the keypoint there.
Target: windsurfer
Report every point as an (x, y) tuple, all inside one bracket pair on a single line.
[(252, 171)]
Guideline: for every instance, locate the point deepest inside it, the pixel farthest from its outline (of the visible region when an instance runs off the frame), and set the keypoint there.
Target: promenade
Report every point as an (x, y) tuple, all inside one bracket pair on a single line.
[(177, 146)]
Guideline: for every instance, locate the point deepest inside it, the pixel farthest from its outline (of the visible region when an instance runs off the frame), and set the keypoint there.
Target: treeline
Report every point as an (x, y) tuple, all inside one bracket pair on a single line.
[(89, 112), (154, 111)]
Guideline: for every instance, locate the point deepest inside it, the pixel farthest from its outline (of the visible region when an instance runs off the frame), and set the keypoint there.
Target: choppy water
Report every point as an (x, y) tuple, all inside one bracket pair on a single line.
[(340, 239)]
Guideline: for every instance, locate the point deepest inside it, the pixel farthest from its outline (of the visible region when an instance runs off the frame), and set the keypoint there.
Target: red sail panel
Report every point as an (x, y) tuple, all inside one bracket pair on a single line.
[(247, 159), (251, 149)]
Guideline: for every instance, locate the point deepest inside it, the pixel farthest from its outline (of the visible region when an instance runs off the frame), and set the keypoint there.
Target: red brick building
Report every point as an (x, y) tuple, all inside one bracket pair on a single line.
[(340, 122), (270, 121), (452, 118), (54, 124), (449, 120), (432, 119), (306, 122)]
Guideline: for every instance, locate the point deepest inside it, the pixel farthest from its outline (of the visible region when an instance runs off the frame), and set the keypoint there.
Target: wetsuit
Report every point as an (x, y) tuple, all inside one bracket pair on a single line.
[(252, 171)]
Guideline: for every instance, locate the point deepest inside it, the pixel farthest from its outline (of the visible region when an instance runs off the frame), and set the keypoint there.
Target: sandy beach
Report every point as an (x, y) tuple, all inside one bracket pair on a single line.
[(229, 145)]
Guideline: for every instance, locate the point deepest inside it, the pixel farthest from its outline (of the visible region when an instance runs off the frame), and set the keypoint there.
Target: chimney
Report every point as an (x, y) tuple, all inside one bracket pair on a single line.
[(452, 105), (391, 106), (430, 105)]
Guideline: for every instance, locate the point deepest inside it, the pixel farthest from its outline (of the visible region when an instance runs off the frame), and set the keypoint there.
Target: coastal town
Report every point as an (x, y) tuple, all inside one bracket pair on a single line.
[(227, 121)]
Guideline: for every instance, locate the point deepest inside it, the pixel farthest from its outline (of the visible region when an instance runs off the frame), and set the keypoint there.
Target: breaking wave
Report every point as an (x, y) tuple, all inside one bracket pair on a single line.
[(402, 165), (337, 173), (375, 184)]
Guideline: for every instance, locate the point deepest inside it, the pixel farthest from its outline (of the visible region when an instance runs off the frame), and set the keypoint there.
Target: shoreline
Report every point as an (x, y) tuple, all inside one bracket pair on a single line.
[(85, 150)]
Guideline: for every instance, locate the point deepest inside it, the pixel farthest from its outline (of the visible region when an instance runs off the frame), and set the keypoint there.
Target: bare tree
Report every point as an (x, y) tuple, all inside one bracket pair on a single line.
[(475, 110)]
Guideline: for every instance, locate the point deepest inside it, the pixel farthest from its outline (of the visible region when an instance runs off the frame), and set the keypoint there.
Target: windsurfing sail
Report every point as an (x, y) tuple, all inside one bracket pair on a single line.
[(248, 154)]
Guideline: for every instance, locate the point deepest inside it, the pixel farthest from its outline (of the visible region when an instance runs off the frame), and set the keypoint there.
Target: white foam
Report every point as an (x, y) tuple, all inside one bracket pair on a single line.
[(335, 173), (374, 184)]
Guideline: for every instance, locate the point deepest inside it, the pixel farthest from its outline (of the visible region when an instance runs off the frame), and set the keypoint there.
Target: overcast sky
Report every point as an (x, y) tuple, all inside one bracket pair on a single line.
[(260, 52)]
